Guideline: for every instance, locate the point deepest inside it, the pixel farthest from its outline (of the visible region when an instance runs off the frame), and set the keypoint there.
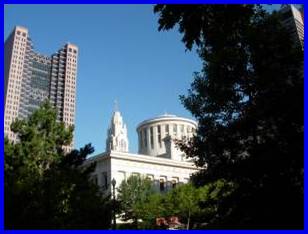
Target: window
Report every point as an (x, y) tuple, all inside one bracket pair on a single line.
[(24, 34), (161, 185), (152, 137), (145, 137), (18, 32), (159, 135), (173, 183)]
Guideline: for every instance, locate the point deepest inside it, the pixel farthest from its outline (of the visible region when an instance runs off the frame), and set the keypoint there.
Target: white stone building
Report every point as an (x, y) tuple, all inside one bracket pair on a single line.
[(158, 157)]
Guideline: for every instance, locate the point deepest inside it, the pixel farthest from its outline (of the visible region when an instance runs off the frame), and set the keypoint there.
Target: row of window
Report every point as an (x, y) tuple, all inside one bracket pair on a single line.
[(11, 102), (68, 73), (21, 33), (41, 66), (11, 113), (68, 120), (13, 91), (162, 183), (20, 39), (13, 96), (17, 56), (143, 134), (19, 43), (15, 72), (72, 50), (9, 117), (18, 51), (12, 87), (9, 107), (71, 60)]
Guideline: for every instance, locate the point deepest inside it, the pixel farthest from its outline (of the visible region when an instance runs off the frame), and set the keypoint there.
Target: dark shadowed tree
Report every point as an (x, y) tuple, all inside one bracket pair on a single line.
[(248, 100), (44, 188)]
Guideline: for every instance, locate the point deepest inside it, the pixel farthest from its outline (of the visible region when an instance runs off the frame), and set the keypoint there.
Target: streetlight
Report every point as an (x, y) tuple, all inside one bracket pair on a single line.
[(113, 182)]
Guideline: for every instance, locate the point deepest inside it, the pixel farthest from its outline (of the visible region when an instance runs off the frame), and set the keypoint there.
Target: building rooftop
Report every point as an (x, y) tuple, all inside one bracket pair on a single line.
[(166, 117)]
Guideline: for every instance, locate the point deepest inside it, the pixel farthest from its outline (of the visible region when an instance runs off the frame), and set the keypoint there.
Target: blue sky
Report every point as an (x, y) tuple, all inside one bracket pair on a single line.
[(121, 56)]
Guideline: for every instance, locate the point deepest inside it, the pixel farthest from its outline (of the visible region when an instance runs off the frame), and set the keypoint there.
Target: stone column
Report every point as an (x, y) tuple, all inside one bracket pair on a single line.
[(155, 140)]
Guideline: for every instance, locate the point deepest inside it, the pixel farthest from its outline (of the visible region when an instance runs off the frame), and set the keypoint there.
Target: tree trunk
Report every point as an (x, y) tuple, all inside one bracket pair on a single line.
[(188, 221)]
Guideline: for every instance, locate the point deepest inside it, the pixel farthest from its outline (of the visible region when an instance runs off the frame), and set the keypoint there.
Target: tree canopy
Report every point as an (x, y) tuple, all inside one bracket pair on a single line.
[(44, 188), (248, 101), (131, 193)]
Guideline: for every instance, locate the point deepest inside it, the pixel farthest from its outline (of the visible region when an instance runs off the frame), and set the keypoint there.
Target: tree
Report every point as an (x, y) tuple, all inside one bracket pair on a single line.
[(185, 199), (155, 206), (44, 188), (197, 206), (248, 100), (131, 193)]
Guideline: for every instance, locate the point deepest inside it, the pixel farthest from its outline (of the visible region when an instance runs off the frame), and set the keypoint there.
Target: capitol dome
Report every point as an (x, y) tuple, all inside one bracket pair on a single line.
[(156, 135)]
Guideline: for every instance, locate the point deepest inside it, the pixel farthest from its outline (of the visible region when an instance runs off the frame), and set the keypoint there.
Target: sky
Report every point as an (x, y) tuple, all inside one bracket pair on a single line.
[(122, 56)]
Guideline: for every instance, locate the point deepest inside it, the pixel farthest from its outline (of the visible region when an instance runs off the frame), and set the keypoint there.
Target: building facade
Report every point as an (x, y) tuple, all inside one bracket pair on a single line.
[(293, 20), (30, 78), (158, 158)]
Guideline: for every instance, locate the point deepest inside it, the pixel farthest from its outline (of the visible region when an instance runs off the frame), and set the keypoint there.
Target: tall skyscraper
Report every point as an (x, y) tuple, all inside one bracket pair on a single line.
[(293, 20), (31, 78)]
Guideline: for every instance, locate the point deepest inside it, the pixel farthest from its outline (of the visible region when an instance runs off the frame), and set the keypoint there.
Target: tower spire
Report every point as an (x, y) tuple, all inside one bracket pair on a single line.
[(117, 139)]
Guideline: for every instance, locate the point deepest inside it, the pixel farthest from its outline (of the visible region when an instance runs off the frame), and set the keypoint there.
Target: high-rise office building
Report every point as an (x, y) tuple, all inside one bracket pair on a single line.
[(31, 78), (293, 20)]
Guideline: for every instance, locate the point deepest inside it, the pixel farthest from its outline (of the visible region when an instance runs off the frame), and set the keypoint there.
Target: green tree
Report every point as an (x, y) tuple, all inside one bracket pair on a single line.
[(197, 205), (185, 199), (155, 206), (248, 100), (44, 188), (192, 205), (131, 193)]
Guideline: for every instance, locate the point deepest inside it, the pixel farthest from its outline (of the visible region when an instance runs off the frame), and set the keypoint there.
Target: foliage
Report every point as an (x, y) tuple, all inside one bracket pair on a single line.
[(185, 201), (131, 193), (192, 205), (248, 100), (151, 208), (45, 189), (198, 205)]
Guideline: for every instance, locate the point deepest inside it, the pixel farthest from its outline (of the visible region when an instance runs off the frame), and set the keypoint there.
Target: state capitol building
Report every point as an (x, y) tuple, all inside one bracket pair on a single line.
[(158, 158)]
